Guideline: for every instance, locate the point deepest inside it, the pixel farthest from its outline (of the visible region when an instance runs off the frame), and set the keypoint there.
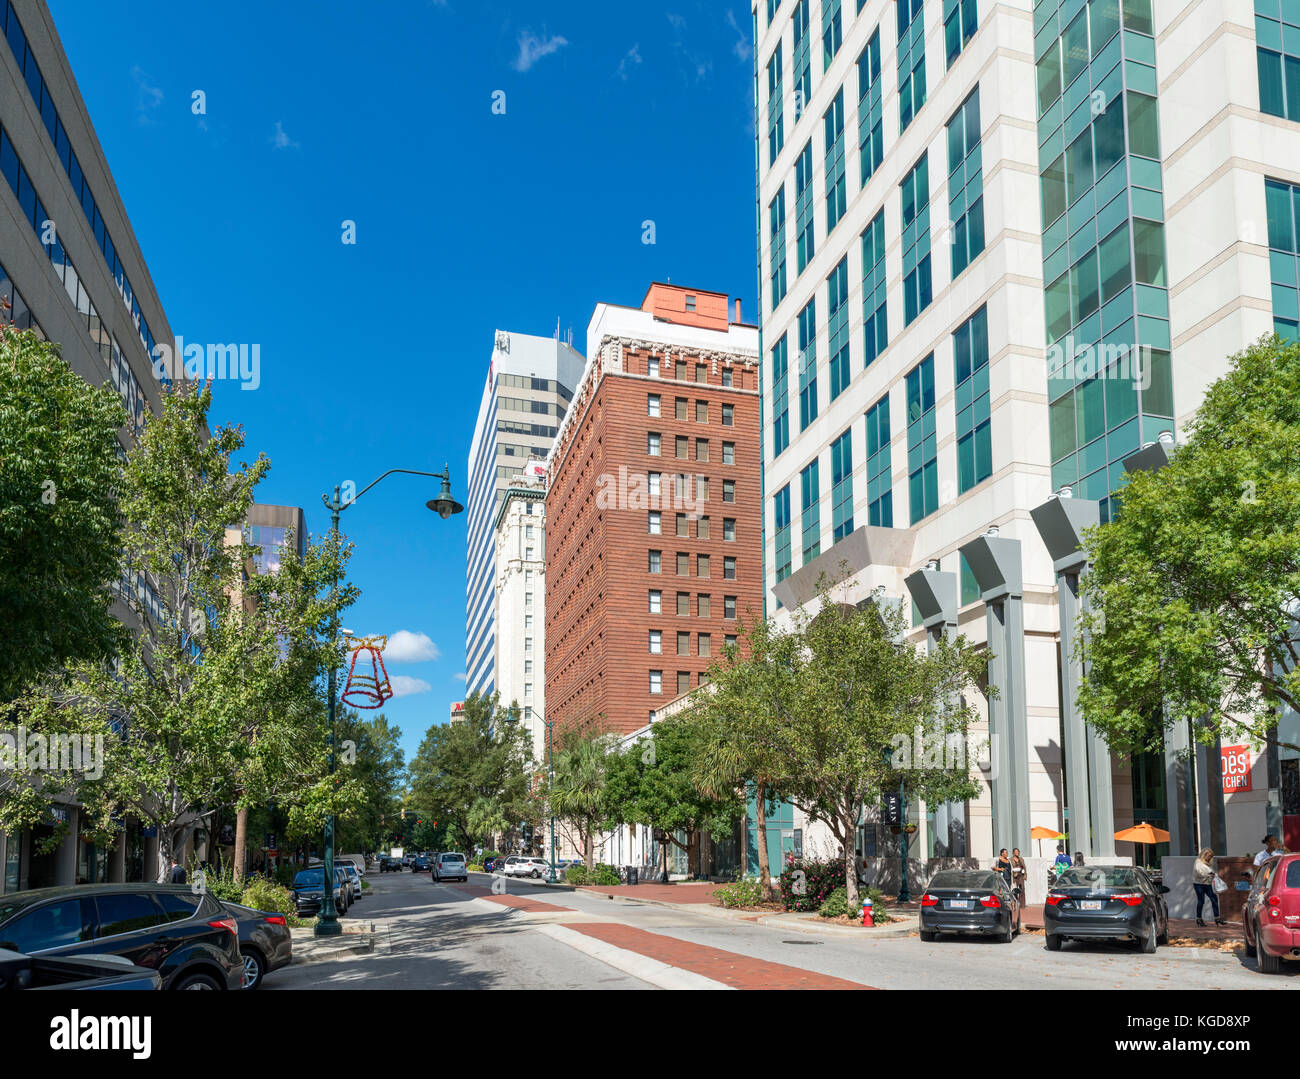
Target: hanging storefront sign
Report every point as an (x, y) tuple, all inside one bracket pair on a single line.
[(1236, 769)]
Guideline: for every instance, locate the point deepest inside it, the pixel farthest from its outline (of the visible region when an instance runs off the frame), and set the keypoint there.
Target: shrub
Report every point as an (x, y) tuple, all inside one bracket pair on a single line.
[(284, 875), (268, 896), (836, 904), (603, 874), (809, 891), (743, 892), (474, 867), (575, 874)]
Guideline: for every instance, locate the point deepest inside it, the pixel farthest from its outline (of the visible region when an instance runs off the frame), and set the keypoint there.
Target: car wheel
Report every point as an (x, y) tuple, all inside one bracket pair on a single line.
[(1147, 945), (1267, 964), (1008, 934), (1163, 938), (254, 970), (1250, 945), (197, 981), (929, 936), (1053, 942), (537, 874)]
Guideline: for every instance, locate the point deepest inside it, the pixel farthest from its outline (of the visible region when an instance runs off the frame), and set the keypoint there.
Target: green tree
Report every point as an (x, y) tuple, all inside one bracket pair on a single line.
[(652, 782), (577, 795), (60, 542), (475, 776), (1194, 586)]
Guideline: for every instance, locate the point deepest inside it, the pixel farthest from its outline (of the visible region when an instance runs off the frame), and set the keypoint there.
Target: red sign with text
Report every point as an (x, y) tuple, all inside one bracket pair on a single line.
[(1236, 769)]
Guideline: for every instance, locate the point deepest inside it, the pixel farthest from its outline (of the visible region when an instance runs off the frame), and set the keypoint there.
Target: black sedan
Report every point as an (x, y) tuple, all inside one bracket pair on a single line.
[(191, 940), (969, 901), (264, 941), (309, 891), (1106, 902)]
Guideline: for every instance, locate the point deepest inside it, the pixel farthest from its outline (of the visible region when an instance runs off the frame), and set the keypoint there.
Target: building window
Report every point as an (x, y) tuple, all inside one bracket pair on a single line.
[(803, 207), (683, 644), (726, 382), (528, 644), (808, 364), (652, 366), (656, 681), (917, 288), (679, 370), (690, 303), (1282, 202), (966, 183), (871, 139), (679, 408), (959, 22), (729, 529), (701, 488), (683, 564), (683, 526), (702, 449), (654, 523), (528, 599), (656, 558), (729, 607), (656, 483), (802, 54), (1277, 35), (681, 446), (775, 106), (911, 60), (810, 511), (705, 646), (683, 682), (922, 454), (656, 601), (728, 453), (702, 565), (728, 490), (832, 31), (729, 569), (836, 185), (652, 405), (528, 666), (776, 257), (656, 642), (837, 325), (528, 621), (780, 398), (730, 640), (701, 372), (970, 346), (842, 486), (702, 528), (528, 689), (652, 444), (875, 327), (528, 577), (703, 605), (728, 415), (683, 604), (530, 553)]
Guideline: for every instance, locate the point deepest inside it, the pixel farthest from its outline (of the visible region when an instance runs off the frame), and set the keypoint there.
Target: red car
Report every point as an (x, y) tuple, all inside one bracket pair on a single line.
[(1271, 918)]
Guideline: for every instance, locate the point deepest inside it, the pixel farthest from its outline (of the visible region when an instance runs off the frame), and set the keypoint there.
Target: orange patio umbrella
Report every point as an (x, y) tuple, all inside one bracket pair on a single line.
[(1040, 833), (1143, 833)]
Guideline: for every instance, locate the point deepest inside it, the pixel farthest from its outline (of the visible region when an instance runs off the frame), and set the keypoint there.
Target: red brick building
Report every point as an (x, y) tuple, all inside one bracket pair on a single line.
[(654, 509)]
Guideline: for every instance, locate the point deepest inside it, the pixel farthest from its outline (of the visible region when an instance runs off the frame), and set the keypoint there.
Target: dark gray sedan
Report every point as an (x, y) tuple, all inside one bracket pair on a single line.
[(969, 901), (264, 941), (1106, 902)]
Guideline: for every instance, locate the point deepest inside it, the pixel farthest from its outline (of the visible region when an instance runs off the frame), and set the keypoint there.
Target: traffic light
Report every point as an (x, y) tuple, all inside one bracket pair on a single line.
[(419, 820)]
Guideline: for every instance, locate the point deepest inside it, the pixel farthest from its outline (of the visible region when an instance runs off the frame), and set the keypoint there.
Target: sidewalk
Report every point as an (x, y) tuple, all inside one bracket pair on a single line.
[(676, 894)]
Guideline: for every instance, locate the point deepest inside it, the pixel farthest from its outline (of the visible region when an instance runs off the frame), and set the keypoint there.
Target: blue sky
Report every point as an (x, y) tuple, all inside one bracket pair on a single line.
[(373, 354)]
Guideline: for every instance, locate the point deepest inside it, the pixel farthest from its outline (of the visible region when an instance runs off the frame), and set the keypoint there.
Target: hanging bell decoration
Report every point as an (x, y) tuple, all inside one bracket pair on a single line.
[(369, 686)]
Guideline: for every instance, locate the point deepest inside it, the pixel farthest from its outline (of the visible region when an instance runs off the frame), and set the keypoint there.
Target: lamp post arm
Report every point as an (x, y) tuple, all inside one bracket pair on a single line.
[(443, 475)]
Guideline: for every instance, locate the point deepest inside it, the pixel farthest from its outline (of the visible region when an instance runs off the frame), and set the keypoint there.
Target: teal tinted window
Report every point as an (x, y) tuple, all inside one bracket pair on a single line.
[(917, 285), (780, 397), (802, 58), (832, 31), (970, 589), (803, 206), (1277, 34), (1053, 190), (871, 142), (911, 60), (836, 185), (837, 300), (1143, 128), (1283, 203), (922, 450), (775, 106), (965, 184), (808, 364), (776, 258), (880, 497), (781, 506), (1115, 265), (842, 486), (875, 330), (970, 346), (960, 19), (810, 512)]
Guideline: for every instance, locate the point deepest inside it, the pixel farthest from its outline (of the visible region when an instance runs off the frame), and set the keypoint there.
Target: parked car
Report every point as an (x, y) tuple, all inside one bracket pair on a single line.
[(19, 971), (450, 866), (389, 865), (190, 939), (309, 890), (354, 879), (1106, 902), (264, 942), (407, 859), (969, 901), (1271, 917), (356, 861), (420, 865), (526, 866)]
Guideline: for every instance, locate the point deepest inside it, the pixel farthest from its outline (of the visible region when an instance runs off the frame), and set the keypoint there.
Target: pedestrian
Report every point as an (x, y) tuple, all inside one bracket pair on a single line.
[(1062, 862), (177, 874), (1078, 857), (1003, 866), (1271, 847), (1203, 878), (1018, 873)]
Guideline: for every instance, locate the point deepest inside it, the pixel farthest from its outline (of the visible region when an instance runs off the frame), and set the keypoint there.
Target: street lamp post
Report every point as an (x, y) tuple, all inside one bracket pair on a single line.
[(327, 924), (550, 754)]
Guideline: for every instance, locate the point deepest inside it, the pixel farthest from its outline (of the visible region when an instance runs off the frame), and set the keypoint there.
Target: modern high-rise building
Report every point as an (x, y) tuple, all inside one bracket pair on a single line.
[(71, 270), (529, 386), (653, 509), (1003, 247)]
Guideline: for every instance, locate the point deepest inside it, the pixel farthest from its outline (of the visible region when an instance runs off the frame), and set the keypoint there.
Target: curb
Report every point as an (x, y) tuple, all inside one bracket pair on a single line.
[(640, 966)]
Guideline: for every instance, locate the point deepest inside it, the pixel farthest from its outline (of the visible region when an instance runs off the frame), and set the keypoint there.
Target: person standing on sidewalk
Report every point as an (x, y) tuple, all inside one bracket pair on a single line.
[(1018, 873), (177, 874), (1203, 877), (1003, 866)]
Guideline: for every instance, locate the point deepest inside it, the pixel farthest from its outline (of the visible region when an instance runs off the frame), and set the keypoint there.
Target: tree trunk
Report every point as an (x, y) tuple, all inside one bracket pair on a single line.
[(241, 842), (760, 823), (850, 868), (589, 848)]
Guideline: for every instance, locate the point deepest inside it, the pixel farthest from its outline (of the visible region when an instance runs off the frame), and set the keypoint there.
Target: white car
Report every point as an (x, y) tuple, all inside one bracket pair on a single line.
[(524, 866), (449, 866)]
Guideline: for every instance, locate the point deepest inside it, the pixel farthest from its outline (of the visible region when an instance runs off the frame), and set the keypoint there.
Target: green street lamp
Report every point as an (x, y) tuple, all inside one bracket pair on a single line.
[(550, 753), (327, 924)]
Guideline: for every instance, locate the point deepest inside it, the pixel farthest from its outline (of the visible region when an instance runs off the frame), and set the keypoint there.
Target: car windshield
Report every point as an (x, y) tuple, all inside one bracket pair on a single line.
[(959, 879), (1098, 877), (309, 877)]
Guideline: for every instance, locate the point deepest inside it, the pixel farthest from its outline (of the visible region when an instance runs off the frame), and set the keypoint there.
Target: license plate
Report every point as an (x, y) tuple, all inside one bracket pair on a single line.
[(959, 904), (1090, 904)]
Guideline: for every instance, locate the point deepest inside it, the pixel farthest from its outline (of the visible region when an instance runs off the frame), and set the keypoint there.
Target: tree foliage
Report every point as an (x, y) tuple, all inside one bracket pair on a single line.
[(577, 794)]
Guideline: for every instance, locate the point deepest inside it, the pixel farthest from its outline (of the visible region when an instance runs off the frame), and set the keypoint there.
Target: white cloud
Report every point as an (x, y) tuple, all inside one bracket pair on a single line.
[(633, 56), (280, 140), (407, 647), (462, 677), (404, 686), (150, 97), (744, 48), (532, 48)]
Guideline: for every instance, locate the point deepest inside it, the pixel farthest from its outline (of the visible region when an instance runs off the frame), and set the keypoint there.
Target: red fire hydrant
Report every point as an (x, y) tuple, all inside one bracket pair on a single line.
[(868, 918)]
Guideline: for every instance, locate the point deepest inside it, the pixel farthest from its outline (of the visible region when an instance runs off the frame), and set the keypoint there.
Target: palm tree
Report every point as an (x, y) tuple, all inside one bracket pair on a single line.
[(577, 793)]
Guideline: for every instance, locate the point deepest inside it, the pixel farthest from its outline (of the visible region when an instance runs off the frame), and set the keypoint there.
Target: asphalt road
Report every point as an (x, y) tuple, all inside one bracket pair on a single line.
[(440, 937)]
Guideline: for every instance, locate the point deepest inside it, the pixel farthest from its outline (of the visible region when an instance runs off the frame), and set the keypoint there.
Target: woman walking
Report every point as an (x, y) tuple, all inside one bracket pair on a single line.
[(1203, 877)]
